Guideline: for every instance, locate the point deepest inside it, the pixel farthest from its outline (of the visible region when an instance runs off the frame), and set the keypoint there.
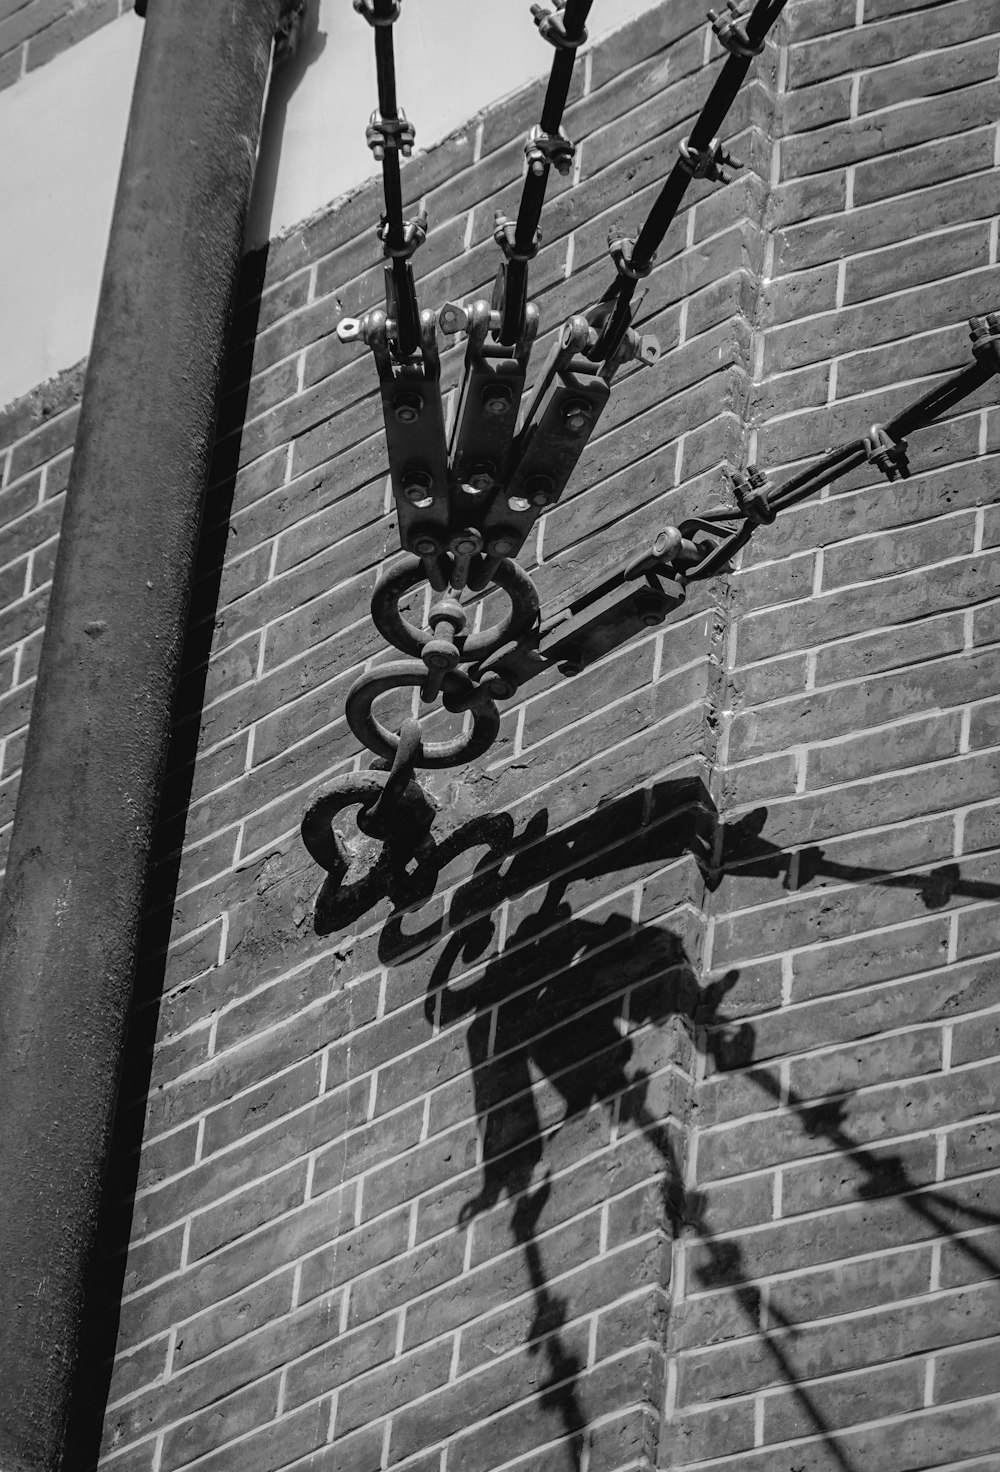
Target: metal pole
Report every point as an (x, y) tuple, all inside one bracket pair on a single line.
[(71, 906)]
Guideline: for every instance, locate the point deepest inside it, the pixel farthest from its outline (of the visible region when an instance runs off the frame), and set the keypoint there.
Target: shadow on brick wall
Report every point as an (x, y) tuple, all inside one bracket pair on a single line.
[(533, 1016)]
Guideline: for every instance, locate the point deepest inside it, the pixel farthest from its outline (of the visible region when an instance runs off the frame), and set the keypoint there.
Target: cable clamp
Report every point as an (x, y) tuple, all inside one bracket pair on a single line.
[(552, 27), (985, 334), (366, 9), (414, 235), (543, 149), (387, 134), (886, 454), (732, 32), (621, 248), (707, 163), (750, 491), (505, 235)]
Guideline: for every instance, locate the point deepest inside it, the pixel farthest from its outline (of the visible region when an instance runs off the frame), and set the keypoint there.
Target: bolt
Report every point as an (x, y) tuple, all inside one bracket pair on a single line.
[(407, 406), (541, 489), (481, 475), (424, 544), (466, 543), (650, 609), (577, 414), (440, 654), (497, 398), (572, 660), (417, 486), (504, 544)]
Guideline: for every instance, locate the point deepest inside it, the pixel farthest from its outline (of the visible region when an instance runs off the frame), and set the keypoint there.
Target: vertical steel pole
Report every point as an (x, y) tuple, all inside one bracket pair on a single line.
[(71, 906)]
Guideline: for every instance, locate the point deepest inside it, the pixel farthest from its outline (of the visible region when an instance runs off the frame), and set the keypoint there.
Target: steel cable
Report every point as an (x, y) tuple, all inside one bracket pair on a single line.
[(394, 238), (514, 271), (667, 203)]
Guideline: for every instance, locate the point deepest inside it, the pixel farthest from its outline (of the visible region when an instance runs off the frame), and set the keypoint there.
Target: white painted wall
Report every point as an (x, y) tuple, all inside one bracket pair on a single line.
[(62, 129)]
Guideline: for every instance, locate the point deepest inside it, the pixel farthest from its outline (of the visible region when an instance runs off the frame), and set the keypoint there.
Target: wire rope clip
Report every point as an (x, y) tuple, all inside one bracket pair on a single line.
[(622, 248), (388, 135), (552, 27), (886, 454), (732, 31), (386, 16), (985, 334), (543, 150), (751, 496), (414, 235), (505, 235), (707, 163)]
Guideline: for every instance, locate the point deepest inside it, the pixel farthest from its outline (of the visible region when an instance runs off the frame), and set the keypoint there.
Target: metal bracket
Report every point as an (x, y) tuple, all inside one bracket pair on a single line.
[(887, 454), (414, 235), (414, 430), (544, 149), (552, 27), (750, 491), (385, 135), (707, 163), (505, 232), (621, 248), (732, 31), (492, 386)]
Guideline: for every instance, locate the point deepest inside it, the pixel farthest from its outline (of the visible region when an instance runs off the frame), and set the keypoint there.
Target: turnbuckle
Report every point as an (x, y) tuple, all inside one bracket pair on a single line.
[(544, 149), (388, 135), (552, 27), (886, 454), (732, 31), (707, 163)]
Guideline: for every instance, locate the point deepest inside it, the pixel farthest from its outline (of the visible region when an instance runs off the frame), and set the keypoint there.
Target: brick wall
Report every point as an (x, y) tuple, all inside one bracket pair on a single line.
[(657, 1129), (32, 32)]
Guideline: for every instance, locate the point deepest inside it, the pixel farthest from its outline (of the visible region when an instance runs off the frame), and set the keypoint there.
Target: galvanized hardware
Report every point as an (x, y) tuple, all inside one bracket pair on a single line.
[(552, 27), (386, 17), (621, 248), (389, 134), (886, 454), (731, 30), (751, 496), (707, 163), (414, 235), (459, 693), (492, 386), (544, 149)]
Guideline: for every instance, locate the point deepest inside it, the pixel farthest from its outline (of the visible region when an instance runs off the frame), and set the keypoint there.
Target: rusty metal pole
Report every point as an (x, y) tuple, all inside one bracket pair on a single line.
[(73, 898)]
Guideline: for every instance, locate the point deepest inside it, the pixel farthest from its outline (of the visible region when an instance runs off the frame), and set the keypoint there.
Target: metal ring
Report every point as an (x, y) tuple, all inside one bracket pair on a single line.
[(414, 812), (378, 738), (408, 639)]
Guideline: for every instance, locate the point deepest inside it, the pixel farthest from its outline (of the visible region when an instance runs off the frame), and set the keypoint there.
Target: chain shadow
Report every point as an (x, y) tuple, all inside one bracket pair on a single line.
[(571, 1024)]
